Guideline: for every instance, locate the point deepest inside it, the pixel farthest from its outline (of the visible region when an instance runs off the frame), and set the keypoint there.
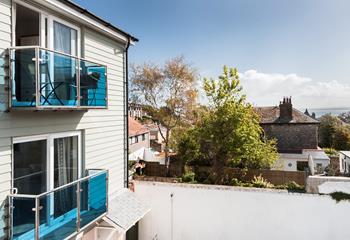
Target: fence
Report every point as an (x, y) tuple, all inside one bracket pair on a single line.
[(275, 177), (160, 170)]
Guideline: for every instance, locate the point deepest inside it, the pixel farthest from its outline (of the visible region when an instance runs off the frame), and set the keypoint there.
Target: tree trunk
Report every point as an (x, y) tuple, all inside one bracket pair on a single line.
[(166, 152)]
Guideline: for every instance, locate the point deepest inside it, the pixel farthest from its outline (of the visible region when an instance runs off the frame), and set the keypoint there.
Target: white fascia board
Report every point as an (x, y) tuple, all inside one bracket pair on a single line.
[(72, 13)]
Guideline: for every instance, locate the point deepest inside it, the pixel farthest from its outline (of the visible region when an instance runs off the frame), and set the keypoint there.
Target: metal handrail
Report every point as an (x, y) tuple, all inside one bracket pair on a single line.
[(77, 182), (60, 187), (54, 51)]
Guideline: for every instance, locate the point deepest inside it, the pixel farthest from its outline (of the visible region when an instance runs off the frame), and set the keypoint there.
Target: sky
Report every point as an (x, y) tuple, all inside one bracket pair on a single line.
[(298, 48)]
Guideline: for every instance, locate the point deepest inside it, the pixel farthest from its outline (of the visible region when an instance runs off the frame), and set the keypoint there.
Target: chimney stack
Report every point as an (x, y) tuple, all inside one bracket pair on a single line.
[(286, 109)]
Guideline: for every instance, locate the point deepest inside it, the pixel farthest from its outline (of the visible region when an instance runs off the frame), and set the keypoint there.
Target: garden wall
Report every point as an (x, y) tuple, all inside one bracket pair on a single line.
[(204, 212)]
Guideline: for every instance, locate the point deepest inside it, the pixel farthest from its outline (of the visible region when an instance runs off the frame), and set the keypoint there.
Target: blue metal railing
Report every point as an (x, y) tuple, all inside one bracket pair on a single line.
[(43, 78), (61, 212)]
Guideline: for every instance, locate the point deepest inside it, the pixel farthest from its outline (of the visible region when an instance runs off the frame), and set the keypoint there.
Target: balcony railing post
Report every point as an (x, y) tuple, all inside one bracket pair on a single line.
[(10, 219), (78, 206), (107, 176), (37, 72), (10, 78), (37, 218)]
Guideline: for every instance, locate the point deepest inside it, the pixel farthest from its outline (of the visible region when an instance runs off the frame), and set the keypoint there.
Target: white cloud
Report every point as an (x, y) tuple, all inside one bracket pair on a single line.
[(265, 89)]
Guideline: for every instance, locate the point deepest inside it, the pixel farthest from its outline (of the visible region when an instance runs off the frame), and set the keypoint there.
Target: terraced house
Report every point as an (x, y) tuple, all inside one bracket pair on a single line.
[(63, 123)]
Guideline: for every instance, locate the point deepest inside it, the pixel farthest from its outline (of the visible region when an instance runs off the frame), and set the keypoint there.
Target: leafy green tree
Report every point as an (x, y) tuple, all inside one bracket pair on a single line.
[(327, 129), (228, 133), (341, 139)]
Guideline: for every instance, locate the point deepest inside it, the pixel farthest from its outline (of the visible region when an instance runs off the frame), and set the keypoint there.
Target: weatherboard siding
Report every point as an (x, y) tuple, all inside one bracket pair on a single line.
[(102, 130)]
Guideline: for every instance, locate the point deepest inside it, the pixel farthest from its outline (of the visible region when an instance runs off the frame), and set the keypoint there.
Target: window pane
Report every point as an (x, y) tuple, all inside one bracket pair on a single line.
[(66, 160), (66, 171), (30, 167)]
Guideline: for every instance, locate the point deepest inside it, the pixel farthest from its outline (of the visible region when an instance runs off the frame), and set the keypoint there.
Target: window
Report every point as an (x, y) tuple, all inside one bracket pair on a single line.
[(37, 28), (302, 166), (143, 137), (42, 163), (136, 139)]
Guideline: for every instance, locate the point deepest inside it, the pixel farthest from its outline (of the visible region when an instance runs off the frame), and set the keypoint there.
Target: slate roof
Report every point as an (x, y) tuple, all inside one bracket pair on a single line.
[(136, 128), (270, 115)]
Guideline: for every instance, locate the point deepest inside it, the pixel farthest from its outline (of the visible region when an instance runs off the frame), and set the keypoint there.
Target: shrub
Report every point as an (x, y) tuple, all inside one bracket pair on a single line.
[(294, 186), (260, 182), (340, 196), (236, 182), (331, 152), (246, 184), (290, 186), (188, 177)]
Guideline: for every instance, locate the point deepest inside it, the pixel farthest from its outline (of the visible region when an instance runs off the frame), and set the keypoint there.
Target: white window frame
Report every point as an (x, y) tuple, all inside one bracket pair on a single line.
[(42, 31), (50, 20), (50, 158)]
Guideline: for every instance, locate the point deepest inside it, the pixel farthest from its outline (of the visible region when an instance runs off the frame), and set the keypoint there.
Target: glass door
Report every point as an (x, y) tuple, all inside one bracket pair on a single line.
[(66, 170), (59, 83), (30, 167), (30, 177), (43, 163)]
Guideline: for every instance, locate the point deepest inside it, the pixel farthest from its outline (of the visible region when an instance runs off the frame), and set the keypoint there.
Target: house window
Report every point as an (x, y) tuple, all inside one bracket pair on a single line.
[(143, 137), (136, 139), (34, 28), (42, 163)]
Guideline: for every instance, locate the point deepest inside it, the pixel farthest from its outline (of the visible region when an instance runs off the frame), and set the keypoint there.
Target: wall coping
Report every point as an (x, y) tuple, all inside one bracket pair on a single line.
[(227, 188)]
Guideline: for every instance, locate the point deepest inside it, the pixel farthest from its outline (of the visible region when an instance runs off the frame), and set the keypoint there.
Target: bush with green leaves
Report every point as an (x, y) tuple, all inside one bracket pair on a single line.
[(291, 186), (235, 182), (260, 182), (189, 176), (331, 152)]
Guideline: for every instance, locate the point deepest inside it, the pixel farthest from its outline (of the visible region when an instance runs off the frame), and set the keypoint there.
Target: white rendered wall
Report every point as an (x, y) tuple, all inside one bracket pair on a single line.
[(201, 212)]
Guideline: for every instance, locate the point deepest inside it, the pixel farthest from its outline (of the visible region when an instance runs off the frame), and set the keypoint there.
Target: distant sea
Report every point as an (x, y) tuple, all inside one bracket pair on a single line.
[(322, 111)]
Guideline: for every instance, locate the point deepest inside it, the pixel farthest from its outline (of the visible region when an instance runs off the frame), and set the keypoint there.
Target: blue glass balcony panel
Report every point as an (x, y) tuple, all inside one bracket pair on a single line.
[(59, 209), (58, 79), (93, 90), (23, 218), (42, 78), (93, 198), (23, 77), (58, 219)]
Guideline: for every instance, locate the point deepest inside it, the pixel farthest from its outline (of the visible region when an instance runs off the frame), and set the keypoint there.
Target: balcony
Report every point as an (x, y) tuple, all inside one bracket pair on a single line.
[(61, 212), (43, 79)]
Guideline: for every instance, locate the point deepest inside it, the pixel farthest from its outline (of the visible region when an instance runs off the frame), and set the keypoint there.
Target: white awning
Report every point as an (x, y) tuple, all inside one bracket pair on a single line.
[(125, 210)]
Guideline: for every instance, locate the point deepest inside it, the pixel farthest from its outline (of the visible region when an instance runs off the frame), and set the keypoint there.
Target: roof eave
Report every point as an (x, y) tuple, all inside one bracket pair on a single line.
[(76, 12)]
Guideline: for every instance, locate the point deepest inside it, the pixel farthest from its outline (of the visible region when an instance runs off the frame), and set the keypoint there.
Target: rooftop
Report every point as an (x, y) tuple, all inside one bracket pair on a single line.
[(271, 115), (136, 128), (97, 18)]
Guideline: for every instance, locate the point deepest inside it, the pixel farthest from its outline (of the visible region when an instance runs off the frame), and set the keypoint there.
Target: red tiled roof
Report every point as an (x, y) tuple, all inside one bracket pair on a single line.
[(136, 128)]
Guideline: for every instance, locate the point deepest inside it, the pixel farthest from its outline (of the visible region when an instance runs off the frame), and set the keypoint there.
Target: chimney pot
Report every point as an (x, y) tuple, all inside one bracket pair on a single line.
[(286, 110)]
